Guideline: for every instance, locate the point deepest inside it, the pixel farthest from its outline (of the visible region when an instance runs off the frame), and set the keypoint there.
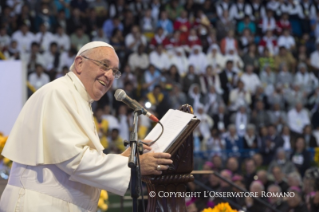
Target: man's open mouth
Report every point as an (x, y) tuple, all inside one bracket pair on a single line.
[(102, 83)]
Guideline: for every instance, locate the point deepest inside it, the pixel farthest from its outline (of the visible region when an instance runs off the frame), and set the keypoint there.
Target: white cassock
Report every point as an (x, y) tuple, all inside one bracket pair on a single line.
[(58, 160)]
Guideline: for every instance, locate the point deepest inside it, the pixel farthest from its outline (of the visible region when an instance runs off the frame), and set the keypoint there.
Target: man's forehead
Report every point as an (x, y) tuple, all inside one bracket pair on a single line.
[(106, 54)]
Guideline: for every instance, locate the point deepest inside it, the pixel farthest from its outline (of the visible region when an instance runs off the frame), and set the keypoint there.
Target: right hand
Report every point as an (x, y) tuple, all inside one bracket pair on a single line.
[(150, 161)]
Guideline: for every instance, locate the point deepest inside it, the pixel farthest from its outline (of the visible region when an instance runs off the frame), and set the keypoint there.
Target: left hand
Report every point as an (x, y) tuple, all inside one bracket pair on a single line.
[(127, 152)]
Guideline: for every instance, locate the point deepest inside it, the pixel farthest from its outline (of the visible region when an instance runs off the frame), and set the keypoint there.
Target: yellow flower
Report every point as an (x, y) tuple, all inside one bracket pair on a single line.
[(100, 203), (104, 207), (221, 207), (104, 195), (6, 160), (208, 210)]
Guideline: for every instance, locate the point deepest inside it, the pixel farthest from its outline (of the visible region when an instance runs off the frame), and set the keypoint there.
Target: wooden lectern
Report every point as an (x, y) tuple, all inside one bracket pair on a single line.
[(176, 179)]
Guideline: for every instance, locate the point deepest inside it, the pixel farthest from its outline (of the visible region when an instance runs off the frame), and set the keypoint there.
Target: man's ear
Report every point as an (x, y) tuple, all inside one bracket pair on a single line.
[(78, 63)]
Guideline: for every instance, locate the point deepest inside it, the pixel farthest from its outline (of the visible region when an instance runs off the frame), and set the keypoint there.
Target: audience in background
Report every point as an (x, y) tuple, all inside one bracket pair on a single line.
[(249, 69)]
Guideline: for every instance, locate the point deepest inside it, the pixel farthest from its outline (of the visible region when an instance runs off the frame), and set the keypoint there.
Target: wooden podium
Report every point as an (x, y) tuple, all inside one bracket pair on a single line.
[(175, 179)]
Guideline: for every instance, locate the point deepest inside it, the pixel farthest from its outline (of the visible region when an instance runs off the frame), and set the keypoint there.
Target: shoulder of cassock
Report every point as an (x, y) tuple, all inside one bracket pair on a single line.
[(54, 125)]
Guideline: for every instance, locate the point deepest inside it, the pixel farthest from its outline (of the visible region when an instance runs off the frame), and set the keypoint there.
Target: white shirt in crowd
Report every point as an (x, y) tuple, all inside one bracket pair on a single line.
[(205, 125), (215, 144), (287, 144), (160, 61), (39, 58), (113, 122), (124, 127), (37, 82), (286, 41), (24, 41), (45, 40), (307, 81), (314, 58), (5, 40), (137, 60), (48, 60), (130, 39), (63, 41), (216, 61), (241, 122), (65, 60), (222, 7), (239, 10), (251, 82), (181, 62), (199, 61), (268, 24), (297, 121)]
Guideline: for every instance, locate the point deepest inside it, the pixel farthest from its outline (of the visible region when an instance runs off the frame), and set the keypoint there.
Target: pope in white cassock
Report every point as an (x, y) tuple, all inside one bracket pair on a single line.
[(58, 163)]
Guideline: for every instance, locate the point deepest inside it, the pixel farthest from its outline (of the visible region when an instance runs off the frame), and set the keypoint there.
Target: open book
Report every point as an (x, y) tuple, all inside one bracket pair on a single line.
[(174, 122)]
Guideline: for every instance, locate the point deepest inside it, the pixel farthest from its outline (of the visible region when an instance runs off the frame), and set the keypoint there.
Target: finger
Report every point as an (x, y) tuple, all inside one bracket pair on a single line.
[(155, 172), (163, 167), (147, 147), (163, 161), (161, 155), (147, 141)]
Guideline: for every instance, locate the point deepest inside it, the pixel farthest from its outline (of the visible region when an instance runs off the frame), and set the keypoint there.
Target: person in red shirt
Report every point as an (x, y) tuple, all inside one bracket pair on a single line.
[(283, 24), (193, 39), (183, 25), (159, 38)]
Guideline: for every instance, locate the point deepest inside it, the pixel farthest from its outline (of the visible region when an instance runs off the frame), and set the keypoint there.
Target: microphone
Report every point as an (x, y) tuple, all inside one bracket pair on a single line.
[(120, 95)]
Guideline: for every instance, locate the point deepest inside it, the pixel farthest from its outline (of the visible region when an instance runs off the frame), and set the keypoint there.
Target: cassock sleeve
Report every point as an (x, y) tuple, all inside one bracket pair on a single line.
[(109, 172)]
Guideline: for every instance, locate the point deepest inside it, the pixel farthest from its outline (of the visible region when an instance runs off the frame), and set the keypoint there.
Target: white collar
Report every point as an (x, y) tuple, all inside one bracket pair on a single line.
[(79, 86)]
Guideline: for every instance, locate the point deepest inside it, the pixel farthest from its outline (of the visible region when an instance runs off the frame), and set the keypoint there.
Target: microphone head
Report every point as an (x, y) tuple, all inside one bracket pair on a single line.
[(119, 94)]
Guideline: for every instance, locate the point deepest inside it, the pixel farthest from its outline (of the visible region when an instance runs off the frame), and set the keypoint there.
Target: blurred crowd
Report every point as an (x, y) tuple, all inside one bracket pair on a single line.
[(249, 69)]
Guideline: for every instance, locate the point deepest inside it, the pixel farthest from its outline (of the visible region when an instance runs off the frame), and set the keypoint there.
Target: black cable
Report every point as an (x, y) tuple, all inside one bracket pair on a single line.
[(140, 179), (157, 137)]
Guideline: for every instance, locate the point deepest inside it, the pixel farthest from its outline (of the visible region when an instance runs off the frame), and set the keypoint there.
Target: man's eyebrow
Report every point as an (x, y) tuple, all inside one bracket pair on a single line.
[(107, 62)]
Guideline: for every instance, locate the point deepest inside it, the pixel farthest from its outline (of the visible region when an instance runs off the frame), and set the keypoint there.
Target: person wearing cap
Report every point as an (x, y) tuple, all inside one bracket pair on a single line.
[(58, 163), (295, 201)]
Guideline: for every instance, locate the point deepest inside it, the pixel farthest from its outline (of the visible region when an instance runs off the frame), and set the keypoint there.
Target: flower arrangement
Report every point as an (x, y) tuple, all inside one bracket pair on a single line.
[(221, 207), (103, 201), (3, 140)]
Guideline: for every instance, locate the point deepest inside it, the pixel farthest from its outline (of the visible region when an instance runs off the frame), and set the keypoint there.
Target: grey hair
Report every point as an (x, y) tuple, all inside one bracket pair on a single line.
[(302, 65), (232, 126), (274, 186), (295, 176), (279, 150), (259, 184), (85, 53), (251, 127)]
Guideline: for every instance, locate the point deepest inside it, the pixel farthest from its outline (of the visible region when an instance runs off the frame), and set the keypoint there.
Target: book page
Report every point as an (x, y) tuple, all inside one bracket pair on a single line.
[(174, 121)]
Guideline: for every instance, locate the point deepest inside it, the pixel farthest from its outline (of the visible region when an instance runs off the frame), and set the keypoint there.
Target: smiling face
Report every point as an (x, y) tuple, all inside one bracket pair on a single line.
[(96, 80)]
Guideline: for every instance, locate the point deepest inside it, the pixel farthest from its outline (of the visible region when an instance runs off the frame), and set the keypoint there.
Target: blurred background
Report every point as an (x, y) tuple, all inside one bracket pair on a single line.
[(249, 68)]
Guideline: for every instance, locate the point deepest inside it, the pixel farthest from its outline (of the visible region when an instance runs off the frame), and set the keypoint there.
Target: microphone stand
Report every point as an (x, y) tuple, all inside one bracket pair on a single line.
[(136, 149)]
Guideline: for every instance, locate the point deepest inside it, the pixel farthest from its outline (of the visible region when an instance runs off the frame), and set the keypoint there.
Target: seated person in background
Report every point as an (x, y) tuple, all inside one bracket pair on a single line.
[(250, 79), (276, 201), (38, 78), (296, 203), (279, 178), (116, 144), (234, 143), (251, 204), (300, 157), (262, 176), (282, 162), (310, 139), (102, 127), (215, 142), (298, 118), (250, 138)]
